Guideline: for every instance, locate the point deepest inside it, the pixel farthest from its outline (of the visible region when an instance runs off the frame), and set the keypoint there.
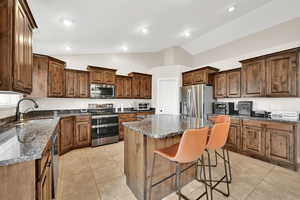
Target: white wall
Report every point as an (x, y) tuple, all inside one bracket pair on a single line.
[(165, 72), (72, 103), (282, 37), (123, 62), (176, 56)]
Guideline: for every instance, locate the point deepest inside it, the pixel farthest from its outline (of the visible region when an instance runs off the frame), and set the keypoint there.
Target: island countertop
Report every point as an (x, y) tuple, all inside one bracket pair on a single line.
[(164, 125)]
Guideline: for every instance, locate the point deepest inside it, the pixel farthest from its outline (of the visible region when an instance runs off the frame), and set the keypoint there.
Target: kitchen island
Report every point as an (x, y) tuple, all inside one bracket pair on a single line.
[(141, 139)]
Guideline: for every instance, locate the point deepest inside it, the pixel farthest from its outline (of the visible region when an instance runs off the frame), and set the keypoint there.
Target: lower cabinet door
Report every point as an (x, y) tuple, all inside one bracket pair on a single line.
[(254, 141), (82, 134), (45, 184), (280, 145), (233, 140), (66, 135)]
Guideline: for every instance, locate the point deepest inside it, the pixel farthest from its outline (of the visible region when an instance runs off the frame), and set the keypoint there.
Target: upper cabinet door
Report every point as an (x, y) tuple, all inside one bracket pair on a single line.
[(96, 76), (71, 83), (109, 77), (199, 77), (83, 84), (127, 87), (253, 79), (56, 79), (234, 83), (22, 52), (136, 85), (148, 87), (220, 85), (282, 75), (187, 78), (120, 87)]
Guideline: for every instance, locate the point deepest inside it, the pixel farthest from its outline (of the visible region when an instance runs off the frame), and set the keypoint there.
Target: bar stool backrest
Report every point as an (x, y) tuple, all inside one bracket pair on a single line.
[(218, 135), (192, 145)]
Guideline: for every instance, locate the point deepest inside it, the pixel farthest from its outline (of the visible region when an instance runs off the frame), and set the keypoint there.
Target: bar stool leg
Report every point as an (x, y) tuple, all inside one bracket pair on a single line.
[(178, 186), (229, 166), (204, 178), (226, 175), (151, 177), (210, 176)]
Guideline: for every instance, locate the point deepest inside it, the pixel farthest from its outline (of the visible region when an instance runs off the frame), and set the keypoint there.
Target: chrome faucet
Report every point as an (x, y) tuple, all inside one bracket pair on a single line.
[(18, 107)]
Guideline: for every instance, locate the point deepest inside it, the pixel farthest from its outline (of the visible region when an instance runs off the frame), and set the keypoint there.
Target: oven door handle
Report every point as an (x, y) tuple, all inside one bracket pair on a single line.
[(103, 116), (105, 125)]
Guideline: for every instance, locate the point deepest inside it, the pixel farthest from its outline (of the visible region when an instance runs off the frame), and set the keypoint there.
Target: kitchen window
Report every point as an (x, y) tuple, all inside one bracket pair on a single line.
[(9, 100)]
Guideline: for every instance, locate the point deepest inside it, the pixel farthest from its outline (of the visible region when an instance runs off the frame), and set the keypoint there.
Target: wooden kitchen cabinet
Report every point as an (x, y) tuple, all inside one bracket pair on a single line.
[(102, 75), (16, 46), (254, 138), (280, 142), (141, 85), (234, 137), (45, 184), (83, 84), (187, 78), (123, 86), (75, 132), (71, 83), (282, 75), (220, 87), (56, 78), (66, 136), (253, 78), (125, 118), (82, 137), (233, 83), (48, 77), (199, 76), (76, 83), (227, 83)]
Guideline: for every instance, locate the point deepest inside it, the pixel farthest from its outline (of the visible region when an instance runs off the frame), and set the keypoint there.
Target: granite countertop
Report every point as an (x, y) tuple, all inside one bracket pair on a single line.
[(260, 118), (20, 143), (163, 126)]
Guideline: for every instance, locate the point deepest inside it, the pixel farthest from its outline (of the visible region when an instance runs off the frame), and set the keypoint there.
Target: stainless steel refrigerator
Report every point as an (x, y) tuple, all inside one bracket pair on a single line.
[(196, 101)]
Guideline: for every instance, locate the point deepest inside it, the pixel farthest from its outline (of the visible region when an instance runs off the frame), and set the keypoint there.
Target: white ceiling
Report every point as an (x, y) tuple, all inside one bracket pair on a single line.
[(103, 26)]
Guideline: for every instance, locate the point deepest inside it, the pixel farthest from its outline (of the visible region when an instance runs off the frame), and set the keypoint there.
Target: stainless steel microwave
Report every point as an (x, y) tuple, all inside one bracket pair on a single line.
[(102, 91)]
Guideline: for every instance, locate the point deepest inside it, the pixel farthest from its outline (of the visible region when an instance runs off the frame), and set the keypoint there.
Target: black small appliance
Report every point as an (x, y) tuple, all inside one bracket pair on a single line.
[(224, 108), (245, 108)]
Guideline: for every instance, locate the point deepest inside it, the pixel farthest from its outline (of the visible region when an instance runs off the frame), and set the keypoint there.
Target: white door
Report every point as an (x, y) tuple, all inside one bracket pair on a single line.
[(168, 96)]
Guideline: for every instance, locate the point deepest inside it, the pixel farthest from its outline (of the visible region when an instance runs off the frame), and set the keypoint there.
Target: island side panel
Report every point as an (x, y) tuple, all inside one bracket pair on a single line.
[(134, 162), (17, 181), (163, 168)]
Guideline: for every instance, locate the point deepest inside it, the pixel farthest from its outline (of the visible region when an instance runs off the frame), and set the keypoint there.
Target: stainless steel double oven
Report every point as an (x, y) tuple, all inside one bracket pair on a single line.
[(105, 128)]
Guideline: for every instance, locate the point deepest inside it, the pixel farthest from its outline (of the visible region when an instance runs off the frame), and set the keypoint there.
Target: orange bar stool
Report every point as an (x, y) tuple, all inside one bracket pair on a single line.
[(189, 150), (217, 139), (222, 119)]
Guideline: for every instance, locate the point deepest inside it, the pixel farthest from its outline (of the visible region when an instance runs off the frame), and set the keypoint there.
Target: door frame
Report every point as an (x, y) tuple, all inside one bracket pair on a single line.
[(178, 92)]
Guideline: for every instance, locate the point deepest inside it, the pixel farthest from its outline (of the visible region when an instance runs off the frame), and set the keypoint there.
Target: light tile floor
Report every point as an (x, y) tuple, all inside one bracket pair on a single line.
[(97, 174)]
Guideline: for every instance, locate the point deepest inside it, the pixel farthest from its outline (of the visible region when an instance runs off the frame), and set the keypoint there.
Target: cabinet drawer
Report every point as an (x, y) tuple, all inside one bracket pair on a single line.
[(126, 116), (82, 118), (247, 122), (280, 126), (145, 113), (235, 121)]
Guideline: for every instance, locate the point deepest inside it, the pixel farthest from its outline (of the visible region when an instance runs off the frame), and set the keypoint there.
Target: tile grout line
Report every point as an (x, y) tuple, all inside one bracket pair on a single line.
[(94, 178), (260, 182)]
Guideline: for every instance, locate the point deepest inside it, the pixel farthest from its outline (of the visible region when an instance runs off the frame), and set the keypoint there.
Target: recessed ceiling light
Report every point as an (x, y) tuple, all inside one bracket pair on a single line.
[(124, 48), (231, 9), (67, 22), (187, 34), (144, 30), (68, 48)]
